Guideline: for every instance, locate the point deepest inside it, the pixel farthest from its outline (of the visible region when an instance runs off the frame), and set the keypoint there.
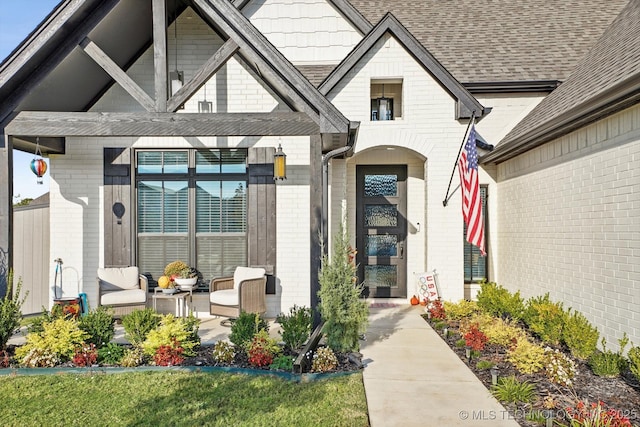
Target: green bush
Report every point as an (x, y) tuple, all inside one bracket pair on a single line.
[(296, 326), (138, 324), (634, 362), (10, 314), (282, 363), (510, 390), (99, 325), (245, 327), (132, 357), (54, 345), (171, 330), (546, 319), (579, 335), (460, 310), (36, 324), (527, 357), (344, 313), (483, 365), (606, 363), (503, 333), (110, 354), (497, 301)]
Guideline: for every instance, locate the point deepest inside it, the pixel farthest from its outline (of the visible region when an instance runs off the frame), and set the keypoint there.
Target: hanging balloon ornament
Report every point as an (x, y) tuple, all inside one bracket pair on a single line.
[(38, 165)]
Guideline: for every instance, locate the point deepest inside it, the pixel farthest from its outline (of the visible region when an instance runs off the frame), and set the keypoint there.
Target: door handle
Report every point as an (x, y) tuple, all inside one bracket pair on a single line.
[(401, 251)]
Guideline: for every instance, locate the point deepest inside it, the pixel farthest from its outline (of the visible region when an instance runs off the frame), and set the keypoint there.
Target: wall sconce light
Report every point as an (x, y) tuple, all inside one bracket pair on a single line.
[(494, 375), (279, 164)]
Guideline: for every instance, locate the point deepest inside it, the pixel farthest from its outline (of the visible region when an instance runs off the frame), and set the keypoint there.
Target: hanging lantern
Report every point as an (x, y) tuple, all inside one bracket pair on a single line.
[(38, 165), (279, 164)]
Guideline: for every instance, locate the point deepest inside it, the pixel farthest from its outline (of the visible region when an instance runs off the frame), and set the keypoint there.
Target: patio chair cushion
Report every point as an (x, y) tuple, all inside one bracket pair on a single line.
[(129, 296), (246, 273), (225, 297), (118, 279)]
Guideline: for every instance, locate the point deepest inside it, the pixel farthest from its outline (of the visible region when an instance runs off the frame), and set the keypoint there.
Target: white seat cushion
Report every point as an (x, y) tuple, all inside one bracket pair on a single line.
[(225, 297), (130, 296), (117, 279), (245, 273)]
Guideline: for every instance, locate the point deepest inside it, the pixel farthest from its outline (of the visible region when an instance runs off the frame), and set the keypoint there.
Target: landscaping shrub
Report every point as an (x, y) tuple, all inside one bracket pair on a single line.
[(55, 344), (296, 326), (171, 329), (526, 356), (85, 355), (460, 310), (498, 301), (344, 313), (483, 365), (559, 368), (138, 324), (10, 314), (245, 327), (579, 335), (282, 363), (502, 332), (223, 352), (169, 354), (262, 349), (606, 363), (475, 338), (510, 390), (35, 324), (99, 325), (634, 362), (132, 357), (111, 354), (546, 319), (596, 415), (324, 360), (436, 310)]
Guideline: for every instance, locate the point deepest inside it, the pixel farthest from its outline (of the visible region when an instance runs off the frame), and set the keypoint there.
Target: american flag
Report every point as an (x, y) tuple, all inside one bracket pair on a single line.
[(471, 203)]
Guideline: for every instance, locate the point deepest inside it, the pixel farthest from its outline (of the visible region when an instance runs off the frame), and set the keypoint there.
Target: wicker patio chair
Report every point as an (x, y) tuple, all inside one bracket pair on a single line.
[(123, 289), (245, 291)]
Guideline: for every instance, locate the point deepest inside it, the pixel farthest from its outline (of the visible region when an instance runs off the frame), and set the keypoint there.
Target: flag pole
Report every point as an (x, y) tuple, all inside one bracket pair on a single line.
[(446, 197)]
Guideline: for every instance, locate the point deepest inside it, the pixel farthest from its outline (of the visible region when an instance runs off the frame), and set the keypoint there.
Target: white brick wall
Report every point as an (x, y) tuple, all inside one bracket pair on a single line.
[(305, 31), (569, 223)]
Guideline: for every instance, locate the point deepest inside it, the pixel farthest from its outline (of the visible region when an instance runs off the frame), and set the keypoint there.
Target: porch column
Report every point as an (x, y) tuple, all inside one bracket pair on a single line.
[(315, 209), (6, 210)]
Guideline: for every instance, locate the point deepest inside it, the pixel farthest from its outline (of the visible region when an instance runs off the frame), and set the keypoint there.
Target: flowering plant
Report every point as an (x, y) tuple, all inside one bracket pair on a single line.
[(559, 368), (596, 415)]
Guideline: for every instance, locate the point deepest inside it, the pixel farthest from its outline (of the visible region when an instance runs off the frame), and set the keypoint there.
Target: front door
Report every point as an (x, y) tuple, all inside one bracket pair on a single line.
[(381, 229)]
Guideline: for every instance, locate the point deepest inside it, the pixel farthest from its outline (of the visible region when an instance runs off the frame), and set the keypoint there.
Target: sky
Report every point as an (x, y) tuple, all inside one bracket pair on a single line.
[(17, 19)]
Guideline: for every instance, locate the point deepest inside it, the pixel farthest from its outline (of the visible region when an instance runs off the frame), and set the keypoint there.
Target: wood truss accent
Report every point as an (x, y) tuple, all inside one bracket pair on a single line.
[(159, 8), (31, 123), (117, 73), (353, 15), (466, 103), (209, 68)]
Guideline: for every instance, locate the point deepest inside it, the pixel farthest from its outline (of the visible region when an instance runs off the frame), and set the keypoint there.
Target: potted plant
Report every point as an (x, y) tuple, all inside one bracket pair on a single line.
[(187, 278)]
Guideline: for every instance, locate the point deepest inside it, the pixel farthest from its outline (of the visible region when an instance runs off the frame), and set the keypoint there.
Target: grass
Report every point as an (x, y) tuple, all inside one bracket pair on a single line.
[(181, 399)]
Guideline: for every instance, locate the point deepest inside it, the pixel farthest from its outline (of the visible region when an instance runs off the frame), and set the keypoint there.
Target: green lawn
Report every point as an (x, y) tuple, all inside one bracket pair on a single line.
[(180, 399)]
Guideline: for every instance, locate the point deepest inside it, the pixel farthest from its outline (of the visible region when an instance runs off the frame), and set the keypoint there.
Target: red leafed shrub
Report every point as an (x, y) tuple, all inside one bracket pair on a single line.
[(169, 355), (596, 414), (262, 349), (85, 355), (475, 338), (437, 310)]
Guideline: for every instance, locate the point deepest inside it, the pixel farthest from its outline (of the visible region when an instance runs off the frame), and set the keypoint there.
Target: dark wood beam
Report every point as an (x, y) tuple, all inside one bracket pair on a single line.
[(39, 123), (315, 209), (160, 53), (117, 73), (47, 145), (353, 15), (6, 210), (208, 69)]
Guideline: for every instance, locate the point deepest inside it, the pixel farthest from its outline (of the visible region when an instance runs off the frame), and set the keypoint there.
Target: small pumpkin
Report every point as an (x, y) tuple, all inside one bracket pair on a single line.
[(163, 282), (414, 300)]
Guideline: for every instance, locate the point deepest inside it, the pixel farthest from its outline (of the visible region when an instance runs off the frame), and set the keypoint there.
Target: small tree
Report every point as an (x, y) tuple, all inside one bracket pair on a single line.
[(345, 315), (10, 314)]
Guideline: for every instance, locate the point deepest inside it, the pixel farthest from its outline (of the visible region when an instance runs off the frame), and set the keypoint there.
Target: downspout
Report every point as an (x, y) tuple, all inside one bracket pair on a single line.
[(351, 140)]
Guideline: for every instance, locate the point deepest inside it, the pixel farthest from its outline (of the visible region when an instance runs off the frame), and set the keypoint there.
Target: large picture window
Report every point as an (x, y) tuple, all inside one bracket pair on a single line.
[(192, 206), (475, 266)]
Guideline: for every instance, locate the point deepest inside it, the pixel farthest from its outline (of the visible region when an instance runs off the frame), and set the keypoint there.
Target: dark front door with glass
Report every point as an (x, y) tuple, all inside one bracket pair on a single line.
[(381, 229)]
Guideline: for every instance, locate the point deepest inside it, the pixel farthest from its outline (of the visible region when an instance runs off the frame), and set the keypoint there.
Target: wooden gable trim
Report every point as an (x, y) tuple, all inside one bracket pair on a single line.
[(466, 103), (208, 69), (35, 123), (353, 15), (272, 65), (117, 73)]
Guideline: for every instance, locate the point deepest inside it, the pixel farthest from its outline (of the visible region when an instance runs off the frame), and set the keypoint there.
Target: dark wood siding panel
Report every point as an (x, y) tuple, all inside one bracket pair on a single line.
[(261, 212), (117, 199)]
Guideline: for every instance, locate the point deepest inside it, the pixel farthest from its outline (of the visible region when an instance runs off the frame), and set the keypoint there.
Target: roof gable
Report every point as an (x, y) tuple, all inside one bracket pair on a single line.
[(465, 102), (605, 81)]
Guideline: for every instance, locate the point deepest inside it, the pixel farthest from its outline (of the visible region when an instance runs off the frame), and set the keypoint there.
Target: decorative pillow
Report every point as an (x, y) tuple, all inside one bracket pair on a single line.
[(246, 273), (118, 279)]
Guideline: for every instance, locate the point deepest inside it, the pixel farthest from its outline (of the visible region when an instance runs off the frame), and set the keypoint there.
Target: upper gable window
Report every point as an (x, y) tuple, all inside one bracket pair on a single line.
[(386, 99)]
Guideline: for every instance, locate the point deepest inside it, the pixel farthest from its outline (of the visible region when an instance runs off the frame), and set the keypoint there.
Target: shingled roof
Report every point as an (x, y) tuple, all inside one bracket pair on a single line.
[(501, 40), (605, 81)]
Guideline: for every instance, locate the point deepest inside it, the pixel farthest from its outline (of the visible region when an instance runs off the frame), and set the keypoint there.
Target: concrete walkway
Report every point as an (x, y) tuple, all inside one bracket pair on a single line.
[(413, 378)]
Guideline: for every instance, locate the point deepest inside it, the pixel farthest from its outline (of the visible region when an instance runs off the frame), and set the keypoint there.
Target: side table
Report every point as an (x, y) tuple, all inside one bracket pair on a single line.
[(180, 298)]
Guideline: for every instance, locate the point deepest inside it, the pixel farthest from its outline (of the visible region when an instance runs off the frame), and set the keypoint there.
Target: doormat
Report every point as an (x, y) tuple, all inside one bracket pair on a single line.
[(382, 305)]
